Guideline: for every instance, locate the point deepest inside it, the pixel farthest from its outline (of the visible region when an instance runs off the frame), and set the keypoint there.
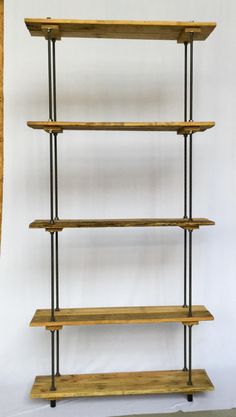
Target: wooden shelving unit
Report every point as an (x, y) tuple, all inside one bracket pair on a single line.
[(188, 381)]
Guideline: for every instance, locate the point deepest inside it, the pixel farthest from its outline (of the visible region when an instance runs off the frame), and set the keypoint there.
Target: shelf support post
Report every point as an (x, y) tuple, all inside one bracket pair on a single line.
[(54, 103), (53, 387), (185, 193), (52, 276), (190, 232), (53, 201), (53, 181), (190, 356)]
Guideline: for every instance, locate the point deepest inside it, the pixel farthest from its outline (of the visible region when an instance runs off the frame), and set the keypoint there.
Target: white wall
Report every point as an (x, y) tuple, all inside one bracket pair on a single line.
[(115, 174)]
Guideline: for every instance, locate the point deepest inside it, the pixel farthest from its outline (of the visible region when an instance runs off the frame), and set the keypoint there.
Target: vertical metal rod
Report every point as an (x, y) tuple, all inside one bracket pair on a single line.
[(190, 273), (57, 352), (190, 214), (191, 78), (52, 276), (54, 80), (190, 176), (51, 178), (55, 118), (185, 167), (190, 172), (50, 118), (185, 193), (57, 270), (185, 80), (49, 75), (56, 200), (190, 356), (53, 387), (53, 172), (191, 119)]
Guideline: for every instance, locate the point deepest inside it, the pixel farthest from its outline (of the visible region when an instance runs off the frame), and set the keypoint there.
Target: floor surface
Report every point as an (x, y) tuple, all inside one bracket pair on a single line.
[(222, 413)]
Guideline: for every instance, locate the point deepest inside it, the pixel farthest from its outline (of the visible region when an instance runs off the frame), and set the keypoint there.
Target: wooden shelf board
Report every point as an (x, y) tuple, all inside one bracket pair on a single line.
[(59, 225), (122, 383), (179, 127), (120, 29), (120, 315)]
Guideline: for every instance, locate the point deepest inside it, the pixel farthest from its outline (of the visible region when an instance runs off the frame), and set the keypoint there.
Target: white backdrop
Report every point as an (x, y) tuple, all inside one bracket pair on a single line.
[(116, 174)]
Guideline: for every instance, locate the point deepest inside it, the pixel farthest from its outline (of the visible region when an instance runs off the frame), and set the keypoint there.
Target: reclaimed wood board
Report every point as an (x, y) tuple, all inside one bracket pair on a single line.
[(178, 127), (120, 315), (122, 383), (120, 29), (58, 225)]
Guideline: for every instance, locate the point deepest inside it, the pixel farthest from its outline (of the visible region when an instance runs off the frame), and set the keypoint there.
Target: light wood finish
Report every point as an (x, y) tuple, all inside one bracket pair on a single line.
[(187, 31), (1, 106), (122, 383), (59, 225), (120, 315), (179, 127), (121, 29), (52, 30), (54, 327)]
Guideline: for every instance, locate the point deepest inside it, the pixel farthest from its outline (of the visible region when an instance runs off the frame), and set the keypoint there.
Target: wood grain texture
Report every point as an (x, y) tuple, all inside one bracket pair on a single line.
[(178, 127), (1, 107), (122, 383), (120, 315), (59, 225), (122, 29)]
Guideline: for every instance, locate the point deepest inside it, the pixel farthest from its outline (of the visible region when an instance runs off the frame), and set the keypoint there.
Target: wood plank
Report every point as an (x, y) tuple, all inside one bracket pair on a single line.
[(59, 225), (179, 127), (122, 383), (120, 315), (120, 29), (1, 107)]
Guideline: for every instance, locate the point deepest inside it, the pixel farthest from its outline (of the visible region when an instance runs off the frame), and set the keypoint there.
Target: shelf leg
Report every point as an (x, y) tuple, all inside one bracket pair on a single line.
[(53, 386), (185, 349), (52, 276), (190, 356), (57, 353), (190, 273)]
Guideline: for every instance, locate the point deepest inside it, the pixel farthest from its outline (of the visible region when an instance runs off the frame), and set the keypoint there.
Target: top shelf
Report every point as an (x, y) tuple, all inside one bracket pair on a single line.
[(120, 29)]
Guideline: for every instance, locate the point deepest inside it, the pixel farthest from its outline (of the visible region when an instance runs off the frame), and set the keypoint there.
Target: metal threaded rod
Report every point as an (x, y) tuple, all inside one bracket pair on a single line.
[(49, 75), (57, 352), (190, 273), (52, 276), (185, 193), (56, 200), (191, 78), (53, 387), (190, 356)]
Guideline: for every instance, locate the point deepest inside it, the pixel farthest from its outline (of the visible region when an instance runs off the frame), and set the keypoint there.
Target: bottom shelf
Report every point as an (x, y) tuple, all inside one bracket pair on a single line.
[(122, 383)]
